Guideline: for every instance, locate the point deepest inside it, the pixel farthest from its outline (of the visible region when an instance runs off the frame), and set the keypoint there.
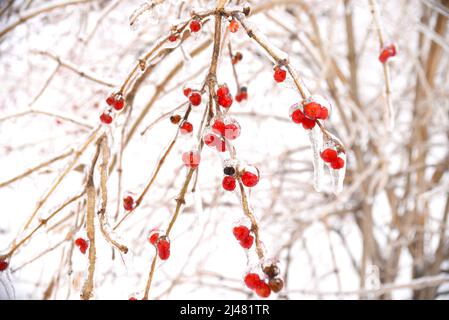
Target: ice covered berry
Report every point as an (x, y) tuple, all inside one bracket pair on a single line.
[(187, 91), (219, 127), (82, 245), (191, 159), (232, 131), (233, 26), (106, 117), (237, 57), (128, 202), (210, 139), (195, 98), (195, 25), (228, 183), (154, 236), (175, 118), (329, 155), (119, 103), (250, 176), (240, 232), (252, 281), (276, 284), (225, 100), (186, 127), (279, 74), (263, 290), (242, 94), (163, 248), (110, 100), (247, 242), (222, 90), (220, 145), (3, 265), (387, 52), (173, 38), (229, 171), (338, 163)]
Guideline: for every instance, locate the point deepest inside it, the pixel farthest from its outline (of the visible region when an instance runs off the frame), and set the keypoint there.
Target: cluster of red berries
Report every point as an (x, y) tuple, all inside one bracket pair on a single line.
[(115, 102), (331, 157), (191, 159), (220, 130), (233, 25), (260, 286), (3, 264), (224, 97), (280, 74), (195, 25), (82, 245), (128, 202), (243, 236), (309, 111), (161, 243), (249, 176), (242, 94), (387, 52)]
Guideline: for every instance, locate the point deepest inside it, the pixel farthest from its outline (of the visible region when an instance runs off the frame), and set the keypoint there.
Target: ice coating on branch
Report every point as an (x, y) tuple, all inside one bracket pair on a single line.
[(316, 142), (338, 176), (7, 291)]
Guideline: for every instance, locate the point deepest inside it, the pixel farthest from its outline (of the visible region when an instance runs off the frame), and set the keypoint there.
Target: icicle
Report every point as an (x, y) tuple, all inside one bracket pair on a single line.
[(338, 176), (7, 291), (316, 142)]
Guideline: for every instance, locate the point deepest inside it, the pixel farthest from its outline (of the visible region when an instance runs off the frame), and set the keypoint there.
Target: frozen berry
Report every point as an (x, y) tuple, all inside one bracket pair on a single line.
[(195, 25), (154, 236), (186, 127), (247, 242), (163, 249), (3, 265), (241, 95), (228, 183), (106, 118), (191, 159), (175, 118), (173, 38), (237, 57), (82, 245), (250, 177), (220, 145), (128, 203), (225, 100), (110, 100), (210, 139), (229, 171), (187, 91), (263, 290), (308, 123), (271, 270), (279, 74), (312, 110), (297, 116), (329, 155), (387, 52), (232, 131), (276, 284), (119, 104), (195, 98), (338, 163), (219, 127), (233, 25), (324, 113), (240, 232), (222, 91), (252, 281)]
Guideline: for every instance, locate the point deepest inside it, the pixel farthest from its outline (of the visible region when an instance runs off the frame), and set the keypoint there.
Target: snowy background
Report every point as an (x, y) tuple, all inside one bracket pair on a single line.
[(384, 236)]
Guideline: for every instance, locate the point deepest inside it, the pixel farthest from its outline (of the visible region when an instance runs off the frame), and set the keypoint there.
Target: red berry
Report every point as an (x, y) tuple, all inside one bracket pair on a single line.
[(82, 245), (110, 100), (338, 163), (387, 52), (324, 113), (263, 290), (252, 281), (195, 98), (187, 91), (233, 26), (175, 118), (237, 57), (308, 123), (225, 101), (222, 91), (163, 249), (195, 25), (210, 139), (186, 127), (297, 116), (3, 265), (219, 127), (232, 131), (106, 118), (154, 236), (228, 183), (329, 155), (247, 242), (191, 159), (240, 232), (241, 95), (249, 179), (220, 145), (119, 104), (172, 38), (128, 203), (312, 110), (279, 74), (276, 284)]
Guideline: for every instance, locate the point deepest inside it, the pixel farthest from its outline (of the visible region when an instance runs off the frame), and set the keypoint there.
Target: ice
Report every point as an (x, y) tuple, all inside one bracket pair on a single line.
[(316, 142), (7, 291), (338, 176)]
